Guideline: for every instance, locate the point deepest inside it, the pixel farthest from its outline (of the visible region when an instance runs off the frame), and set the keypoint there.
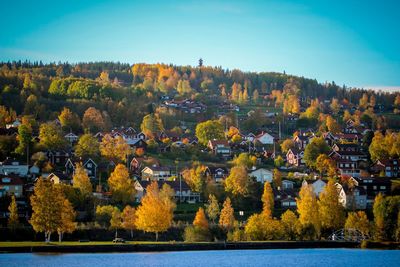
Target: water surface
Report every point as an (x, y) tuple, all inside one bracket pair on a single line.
[(239, 258)]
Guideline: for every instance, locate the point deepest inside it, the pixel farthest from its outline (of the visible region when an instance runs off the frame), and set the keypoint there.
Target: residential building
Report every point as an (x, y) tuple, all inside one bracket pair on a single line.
[(218, 174), (352, 198), (318, 186), (295, 157), (156, 173), (89, 165), (11, 185), (261, 175), (13, 166), (387, 167), (220, 148), (265, 138)]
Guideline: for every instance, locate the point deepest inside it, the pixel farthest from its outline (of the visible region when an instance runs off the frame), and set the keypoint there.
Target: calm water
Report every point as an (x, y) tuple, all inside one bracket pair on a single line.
[(281, 257)]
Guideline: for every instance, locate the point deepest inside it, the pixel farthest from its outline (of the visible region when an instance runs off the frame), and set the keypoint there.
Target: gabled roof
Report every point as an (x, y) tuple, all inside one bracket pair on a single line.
[(214, 169), (214, 143)]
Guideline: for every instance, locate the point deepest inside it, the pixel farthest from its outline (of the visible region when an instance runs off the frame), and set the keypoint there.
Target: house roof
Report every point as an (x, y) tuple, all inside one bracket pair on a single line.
[(159, 168), (218, 142), (175, 185), (214, 169), (60, 175)]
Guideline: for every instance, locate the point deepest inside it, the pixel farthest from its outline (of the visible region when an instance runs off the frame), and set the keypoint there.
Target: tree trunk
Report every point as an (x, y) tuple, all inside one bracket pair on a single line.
[(116, 233), (156, 236), (131, 234), (60, 236)]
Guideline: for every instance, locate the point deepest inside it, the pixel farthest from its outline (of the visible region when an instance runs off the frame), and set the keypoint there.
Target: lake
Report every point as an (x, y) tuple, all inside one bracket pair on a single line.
[(274, 257)]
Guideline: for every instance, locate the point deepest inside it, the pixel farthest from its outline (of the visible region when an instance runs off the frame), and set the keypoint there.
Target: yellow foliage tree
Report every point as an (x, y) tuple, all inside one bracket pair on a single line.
[(67, 223), (155, 213), (307, 208), (129, 219), (227, 218), (200, 219), (115, 149), (268, 200), (13, 221), (81, 180), (359, 221), (238, 181), (121, 185), (331, 211)]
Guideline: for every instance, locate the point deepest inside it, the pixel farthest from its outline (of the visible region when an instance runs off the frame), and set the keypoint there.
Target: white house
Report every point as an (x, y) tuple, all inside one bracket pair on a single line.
[(286, 184), (71, 137), (265, 138), (352, 198), (156, 173), (262, 175)]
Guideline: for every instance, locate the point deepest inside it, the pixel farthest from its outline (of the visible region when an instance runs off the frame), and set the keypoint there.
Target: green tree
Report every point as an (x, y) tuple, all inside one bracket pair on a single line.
[(379, 149), (104, 214), (287, 144), (87, 147), (24, 139), (379, 210), (151, 124), (316, 147), (245, 159), (51, 136), (209, 130), (279, 161)]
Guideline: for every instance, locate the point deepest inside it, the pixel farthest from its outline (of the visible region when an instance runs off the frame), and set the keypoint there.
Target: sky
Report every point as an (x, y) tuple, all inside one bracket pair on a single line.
[(353, 42)]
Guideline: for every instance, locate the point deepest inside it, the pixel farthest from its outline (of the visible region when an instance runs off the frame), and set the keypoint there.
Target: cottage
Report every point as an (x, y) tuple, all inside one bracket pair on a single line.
[(261, 175), (354, 197), (71, 138), (387, 167), (156, 173), (318, 186), (295, 157), (218, 174), (58, 157), (220, 148), (265, 138), (89, 165), (373, 186), (59, 178)]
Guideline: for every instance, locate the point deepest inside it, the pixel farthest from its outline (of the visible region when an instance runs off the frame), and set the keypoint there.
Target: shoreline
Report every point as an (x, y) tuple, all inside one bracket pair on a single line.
[(178, 246)]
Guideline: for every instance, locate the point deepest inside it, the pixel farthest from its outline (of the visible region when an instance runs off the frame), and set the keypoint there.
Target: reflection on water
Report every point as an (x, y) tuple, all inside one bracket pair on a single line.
[(278, 257)]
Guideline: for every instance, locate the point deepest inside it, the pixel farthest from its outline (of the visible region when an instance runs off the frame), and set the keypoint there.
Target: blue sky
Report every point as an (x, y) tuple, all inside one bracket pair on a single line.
[(349, 42)]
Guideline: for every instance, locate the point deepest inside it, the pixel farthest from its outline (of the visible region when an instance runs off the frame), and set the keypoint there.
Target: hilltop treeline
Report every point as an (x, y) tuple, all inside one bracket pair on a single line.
[(128, 92)]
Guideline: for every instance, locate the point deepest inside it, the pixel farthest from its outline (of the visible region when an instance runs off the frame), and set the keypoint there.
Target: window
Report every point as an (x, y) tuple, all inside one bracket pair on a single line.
[(375, 187), (383, 187), (89, 165)]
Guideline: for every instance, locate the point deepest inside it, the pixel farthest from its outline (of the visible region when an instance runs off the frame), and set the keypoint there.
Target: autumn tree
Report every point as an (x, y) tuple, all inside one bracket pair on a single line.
[(116, 221), (93, 120), (195, 177), (268, 200), (67, 223), (13, 220), (51, 136), (287, 144), (121, 185), (212, 208), (379, 149), (69, 120), (379, 211), (151, 124), (332, 125), (104, 215), (81, 180), (289, 222), (331, 211), (209, 130), (200, 219), (363, 103), (238, 181), (255, 96), (115, 149), (316, 147), (245, 159), (47, 204), (324, 164), (359, 221), (87, 147), (227, 218), (277, 178), (6, 116), (129, 219), (155, 213), (184, 87), (259, 228), (335, 106), (307, 208)]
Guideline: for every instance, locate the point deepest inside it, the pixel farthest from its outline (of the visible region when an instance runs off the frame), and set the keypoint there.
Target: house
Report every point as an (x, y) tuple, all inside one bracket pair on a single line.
[(142, 136), (295, 157), (301, 141), (261, 175), (71, 137), (387, 167), (59, 178), (13, 166), (11, 185), (136, 143), (348, 168), (138, 163), (182, 191), (220, 148), (373, 186), (218, 174), (286, 184), (265, 138), (318, 186), (58, 157), (34, 170), (285, 199), (349, 152), (352, 197), (89, 165), (156, 173)]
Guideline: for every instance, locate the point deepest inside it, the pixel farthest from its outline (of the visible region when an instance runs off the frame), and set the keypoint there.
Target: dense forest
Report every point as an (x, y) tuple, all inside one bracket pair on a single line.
[(126, 93)]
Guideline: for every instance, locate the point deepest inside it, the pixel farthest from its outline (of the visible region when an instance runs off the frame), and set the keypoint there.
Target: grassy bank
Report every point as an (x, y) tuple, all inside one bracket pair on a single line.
[(103, 247)]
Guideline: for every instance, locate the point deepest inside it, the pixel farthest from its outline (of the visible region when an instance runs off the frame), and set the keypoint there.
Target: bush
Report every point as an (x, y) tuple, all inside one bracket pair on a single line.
[(196, 234)]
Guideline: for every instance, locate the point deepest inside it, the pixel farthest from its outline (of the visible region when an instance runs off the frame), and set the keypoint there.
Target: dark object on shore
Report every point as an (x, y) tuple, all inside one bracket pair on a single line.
[(118, 240)]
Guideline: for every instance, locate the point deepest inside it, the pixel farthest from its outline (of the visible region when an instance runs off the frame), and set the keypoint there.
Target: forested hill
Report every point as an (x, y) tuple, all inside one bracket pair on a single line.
[(127, 92)]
